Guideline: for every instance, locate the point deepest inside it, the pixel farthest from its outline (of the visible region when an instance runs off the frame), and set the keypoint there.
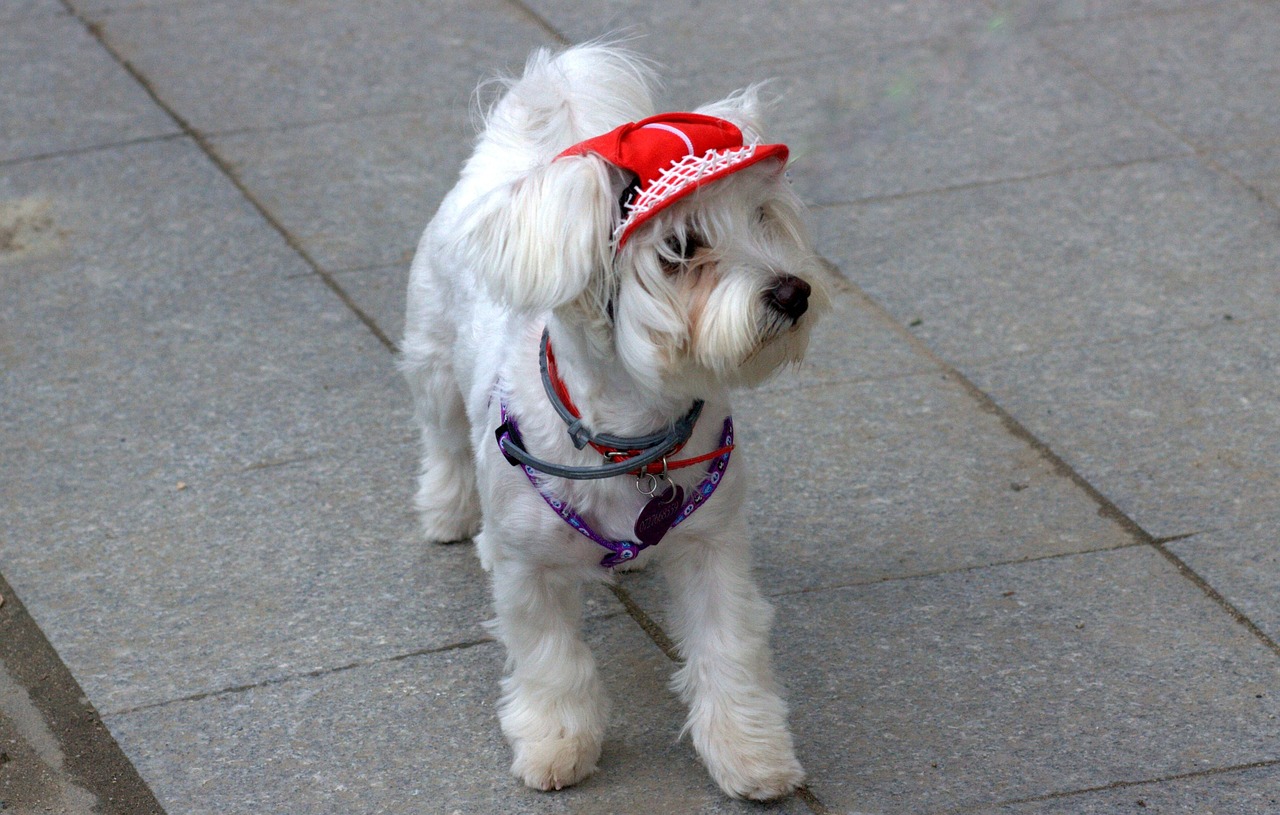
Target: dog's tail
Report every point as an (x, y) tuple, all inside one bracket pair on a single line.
[(567, 97)]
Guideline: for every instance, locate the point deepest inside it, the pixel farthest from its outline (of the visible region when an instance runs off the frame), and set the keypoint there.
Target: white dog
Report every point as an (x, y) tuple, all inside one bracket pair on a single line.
[(665, 260)]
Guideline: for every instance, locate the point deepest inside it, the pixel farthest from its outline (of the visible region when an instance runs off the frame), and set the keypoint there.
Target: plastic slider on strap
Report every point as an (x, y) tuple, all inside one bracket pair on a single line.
[(505, 429), (579, 433)]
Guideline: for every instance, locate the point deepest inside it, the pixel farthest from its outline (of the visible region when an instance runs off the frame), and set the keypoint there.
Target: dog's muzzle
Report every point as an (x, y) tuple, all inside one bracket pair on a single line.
[(789, 296)]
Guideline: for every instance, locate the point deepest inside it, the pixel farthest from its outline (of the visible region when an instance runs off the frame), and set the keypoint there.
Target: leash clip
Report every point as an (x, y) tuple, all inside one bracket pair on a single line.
[(647, 483)]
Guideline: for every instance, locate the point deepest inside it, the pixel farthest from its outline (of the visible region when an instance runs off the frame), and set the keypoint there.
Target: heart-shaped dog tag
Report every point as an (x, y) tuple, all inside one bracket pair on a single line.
[(655, 519)]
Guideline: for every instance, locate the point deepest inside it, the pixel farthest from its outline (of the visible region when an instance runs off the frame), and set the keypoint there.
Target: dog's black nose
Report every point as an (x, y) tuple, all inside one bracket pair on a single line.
[(789, 295)]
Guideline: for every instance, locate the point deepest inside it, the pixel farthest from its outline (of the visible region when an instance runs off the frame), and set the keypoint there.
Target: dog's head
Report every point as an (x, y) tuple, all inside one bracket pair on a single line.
[(677, 239)]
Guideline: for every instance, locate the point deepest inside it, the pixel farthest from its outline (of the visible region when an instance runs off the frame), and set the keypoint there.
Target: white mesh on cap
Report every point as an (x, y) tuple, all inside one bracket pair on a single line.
[(682, 174)]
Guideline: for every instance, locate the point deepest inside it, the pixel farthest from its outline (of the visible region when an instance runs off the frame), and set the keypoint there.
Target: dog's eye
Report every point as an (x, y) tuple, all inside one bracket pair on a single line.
[(680, 251), (761, 215)]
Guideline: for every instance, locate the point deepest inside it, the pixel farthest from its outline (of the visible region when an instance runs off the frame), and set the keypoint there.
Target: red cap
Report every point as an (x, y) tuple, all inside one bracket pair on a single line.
[(672, 154)]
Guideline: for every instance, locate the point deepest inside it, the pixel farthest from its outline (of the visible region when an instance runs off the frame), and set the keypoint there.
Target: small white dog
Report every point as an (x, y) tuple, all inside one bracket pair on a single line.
[(601, 275)]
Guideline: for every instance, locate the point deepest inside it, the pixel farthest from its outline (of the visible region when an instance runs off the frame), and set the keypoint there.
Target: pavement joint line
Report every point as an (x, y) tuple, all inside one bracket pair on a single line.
[(812, 801), (850, 380), (389, 267), (1106, 507), (1182, 537), (1084, 341), (876, 581), (1013, 179), (271, 464), (540, 21), (93, 148), (928, 41), (1260, 194), (1118, 785), (372, 267), (1239, 616), (646, 623), (95, 30), (294, 677), (1205, 153), (322, 121), (1117, 17)]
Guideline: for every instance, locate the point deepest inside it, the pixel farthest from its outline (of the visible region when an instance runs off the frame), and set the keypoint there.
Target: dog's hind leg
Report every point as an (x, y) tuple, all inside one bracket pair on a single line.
[(446, 500), (721, 624), (553, 708)]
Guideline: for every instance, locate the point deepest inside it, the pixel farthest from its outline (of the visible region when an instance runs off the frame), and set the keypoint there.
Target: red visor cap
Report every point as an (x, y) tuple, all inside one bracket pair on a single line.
[(673, 154)]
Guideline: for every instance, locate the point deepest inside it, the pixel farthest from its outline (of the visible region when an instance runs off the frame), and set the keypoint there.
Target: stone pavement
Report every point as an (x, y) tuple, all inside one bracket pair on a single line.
[(1018, 514)]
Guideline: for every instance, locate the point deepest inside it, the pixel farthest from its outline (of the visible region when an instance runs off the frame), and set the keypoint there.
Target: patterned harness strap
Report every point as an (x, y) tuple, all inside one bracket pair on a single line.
[(624, 550)]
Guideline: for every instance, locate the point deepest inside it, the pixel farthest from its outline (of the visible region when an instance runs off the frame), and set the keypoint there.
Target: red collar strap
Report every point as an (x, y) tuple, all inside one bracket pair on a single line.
[(671, 155), (613, 453)]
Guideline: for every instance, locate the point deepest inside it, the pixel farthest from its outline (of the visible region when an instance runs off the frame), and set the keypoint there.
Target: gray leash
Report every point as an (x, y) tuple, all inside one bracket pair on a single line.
[(651, 448)]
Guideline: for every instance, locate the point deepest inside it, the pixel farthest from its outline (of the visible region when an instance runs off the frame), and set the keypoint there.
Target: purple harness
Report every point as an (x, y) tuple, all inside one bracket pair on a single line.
[(622, 551)]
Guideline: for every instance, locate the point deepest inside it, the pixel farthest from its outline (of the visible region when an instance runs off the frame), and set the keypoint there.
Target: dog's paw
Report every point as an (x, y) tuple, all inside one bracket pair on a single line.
[(449, 511), (760, 771), (747, 748), (439, 528), (555, 763)]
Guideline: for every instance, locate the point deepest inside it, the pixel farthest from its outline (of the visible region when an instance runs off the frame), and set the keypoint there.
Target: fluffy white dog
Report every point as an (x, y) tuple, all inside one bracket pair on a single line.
[(603, 276)]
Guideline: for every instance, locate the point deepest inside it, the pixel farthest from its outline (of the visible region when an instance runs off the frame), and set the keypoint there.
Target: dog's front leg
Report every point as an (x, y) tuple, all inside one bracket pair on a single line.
[(736, 719), (553, 708)]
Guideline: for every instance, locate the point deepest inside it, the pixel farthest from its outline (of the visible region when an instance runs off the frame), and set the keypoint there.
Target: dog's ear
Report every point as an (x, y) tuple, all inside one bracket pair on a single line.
[(745, 108), (540, 241)]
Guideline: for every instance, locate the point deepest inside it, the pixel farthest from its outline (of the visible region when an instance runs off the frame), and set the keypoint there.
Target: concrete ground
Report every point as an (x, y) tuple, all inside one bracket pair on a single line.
[(1022, 536)]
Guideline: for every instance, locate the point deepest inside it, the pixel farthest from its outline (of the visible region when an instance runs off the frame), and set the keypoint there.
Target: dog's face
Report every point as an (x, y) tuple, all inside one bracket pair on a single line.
[(721, 286)]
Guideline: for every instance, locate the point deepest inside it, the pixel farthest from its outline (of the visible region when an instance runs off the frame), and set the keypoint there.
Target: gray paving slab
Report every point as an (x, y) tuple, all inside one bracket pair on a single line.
[(968, 109), (875, 480), (149, 316), (217, 535), (209, 450), (1177, 429), (748, 33), (418, 734), (1092, 255), (1209, 73), (100, 6), (15, 9), (286, 63), (63, 91), (358, 193), (1250, 790), (1031, 13), (1020, 681), (1243, 564), (247, 579)]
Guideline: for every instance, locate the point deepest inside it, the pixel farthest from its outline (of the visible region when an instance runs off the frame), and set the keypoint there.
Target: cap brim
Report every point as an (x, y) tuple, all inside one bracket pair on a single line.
[(687, 175)]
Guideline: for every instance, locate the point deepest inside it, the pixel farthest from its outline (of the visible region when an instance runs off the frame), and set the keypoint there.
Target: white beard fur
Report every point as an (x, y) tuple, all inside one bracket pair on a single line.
[(523, 242)]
